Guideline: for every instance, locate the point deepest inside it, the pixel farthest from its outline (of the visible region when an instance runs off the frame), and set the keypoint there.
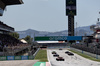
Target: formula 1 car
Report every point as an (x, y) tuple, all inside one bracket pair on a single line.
[(54, 52), (56, 55), (60, 59), (67, 52), (60, 49), (71, 54)]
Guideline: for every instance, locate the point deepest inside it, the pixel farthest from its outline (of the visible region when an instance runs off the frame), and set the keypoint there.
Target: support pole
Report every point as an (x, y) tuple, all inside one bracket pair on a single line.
[(70, 25)]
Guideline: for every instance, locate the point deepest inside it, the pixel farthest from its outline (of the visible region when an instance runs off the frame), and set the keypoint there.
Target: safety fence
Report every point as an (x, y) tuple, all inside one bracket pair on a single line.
[(92, 49), (85, 52)]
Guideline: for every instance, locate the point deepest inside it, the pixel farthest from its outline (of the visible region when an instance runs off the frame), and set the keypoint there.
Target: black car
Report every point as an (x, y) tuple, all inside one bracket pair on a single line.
[(60, 49), (54, 52), (67, 52), (56, 55), (71, 54), (60, 59)]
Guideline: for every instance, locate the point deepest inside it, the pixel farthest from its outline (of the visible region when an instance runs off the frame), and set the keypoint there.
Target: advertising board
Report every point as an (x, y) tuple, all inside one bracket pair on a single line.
[(24, 57), (10, 57), (3, 58), (57, 38), (30, 57), (17, 57)]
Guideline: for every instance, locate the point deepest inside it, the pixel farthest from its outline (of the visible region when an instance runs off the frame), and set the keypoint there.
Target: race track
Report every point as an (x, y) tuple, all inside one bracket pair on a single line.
[(75, 60)]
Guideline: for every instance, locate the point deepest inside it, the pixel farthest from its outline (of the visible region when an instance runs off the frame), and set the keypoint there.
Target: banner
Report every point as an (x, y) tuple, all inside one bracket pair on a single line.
[(10, 57), (30, 57), (17, 57), (3, 58), (24, 57), (57, 38)]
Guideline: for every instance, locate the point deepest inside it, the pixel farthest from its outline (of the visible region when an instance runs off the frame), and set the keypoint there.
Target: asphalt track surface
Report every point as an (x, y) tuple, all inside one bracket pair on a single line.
[(18, 63), (75, 60)]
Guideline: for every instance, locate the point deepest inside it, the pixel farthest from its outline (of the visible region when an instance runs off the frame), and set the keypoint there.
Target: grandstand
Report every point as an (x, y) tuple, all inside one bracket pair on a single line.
[(5, 28), (9, 44), (88, 47)]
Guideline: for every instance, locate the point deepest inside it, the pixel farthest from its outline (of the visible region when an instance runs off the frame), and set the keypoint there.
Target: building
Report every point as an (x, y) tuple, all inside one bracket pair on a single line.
[(4, 3), (96, 29)]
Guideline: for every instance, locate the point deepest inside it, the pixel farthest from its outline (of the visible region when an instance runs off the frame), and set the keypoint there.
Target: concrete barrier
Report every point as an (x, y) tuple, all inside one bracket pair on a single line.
[(36, 52), (48, 59)]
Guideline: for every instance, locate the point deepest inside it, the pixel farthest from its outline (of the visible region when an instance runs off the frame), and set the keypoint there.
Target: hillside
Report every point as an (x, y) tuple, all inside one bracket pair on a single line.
[(81, 31)]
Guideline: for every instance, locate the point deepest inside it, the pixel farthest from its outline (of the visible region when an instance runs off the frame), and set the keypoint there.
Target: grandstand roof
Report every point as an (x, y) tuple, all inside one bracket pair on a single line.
[(5, 27), (12, 2)]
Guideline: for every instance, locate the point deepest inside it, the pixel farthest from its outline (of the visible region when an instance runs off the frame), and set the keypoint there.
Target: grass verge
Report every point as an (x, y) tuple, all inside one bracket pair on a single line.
[(85, 56), (42, 56)]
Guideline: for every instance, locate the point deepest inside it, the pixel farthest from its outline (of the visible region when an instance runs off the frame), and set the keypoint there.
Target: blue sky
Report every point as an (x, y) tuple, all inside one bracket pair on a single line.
[(49, 15)]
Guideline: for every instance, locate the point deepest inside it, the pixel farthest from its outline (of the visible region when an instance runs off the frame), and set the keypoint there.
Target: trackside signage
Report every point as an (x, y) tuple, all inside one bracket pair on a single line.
[(51, 38), (74, 37), (24, 57), (57, 38), (30, 57), (3, 58), (10, 57), (17, 57)]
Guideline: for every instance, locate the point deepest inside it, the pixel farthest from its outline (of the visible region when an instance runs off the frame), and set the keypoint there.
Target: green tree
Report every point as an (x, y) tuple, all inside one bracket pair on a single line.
[(28, 39), (14, 34)]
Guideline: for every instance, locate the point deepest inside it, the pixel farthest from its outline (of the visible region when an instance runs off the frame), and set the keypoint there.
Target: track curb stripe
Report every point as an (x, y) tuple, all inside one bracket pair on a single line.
[(47, 64), (40, 64)]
